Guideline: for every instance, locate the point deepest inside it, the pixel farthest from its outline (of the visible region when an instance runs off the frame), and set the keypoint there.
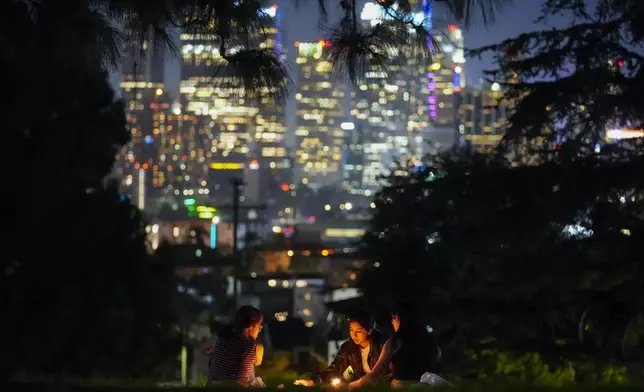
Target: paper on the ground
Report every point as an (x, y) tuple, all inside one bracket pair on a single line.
[(433, 379)]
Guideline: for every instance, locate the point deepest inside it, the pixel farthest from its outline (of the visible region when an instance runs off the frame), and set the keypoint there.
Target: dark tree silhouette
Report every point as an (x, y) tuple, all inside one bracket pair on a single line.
[(80, 296), (533, 249)]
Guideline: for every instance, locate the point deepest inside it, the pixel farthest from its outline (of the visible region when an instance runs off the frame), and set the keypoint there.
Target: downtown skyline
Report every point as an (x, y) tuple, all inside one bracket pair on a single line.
[(513, 21)]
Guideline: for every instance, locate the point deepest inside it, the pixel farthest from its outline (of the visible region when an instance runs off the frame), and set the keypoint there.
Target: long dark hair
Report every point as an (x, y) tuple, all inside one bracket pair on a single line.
[(246, 316), (411, 325), (413, 335), (364, 318)]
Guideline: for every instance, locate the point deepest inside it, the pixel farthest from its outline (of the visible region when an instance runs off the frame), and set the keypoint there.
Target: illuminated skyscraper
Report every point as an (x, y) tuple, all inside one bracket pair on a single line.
[(412, 104), (440, 80), (320, 111), (353, 160), (143, 92), (449, 78), (483, 117), (386, 103), (183, 155), (230, 129)]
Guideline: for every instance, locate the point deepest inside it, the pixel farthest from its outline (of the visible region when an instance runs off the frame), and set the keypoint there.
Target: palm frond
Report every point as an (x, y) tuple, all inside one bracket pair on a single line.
[(110, 39), (466, 10), (142, 21), (250, 22), (98, 32), (255, 74), (192, 19), (84, 31), (354, 51)]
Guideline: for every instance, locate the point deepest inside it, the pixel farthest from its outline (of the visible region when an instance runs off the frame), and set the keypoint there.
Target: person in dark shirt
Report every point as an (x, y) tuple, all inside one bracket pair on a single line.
[(235, 354), (409, 354), (357, 356)]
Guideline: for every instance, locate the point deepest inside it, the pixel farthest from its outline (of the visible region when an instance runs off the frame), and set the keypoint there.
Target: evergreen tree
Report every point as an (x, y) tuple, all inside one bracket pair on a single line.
[(542, 258)]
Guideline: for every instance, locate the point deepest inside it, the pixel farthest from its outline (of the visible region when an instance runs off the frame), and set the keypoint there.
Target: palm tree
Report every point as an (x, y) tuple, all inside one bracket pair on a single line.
[(107, 24)]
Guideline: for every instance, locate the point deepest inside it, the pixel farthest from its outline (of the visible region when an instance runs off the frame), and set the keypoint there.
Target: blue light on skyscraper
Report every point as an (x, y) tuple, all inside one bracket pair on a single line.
[(431, 85), (213, 235), (278, 36), (427, 11)]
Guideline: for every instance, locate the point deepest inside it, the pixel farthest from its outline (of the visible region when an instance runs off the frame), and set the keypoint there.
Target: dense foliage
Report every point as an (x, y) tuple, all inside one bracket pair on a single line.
[(530, 260), (80, 295)]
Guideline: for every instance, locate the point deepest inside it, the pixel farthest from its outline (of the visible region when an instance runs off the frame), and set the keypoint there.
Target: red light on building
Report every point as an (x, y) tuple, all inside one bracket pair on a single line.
[(285, 187), (452, 27)]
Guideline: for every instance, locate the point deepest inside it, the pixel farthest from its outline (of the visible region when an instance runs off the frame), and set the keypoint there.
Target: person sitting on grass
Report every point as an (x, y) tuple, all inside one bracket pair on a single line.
[(410, 354), (236, 352), (357, 356)]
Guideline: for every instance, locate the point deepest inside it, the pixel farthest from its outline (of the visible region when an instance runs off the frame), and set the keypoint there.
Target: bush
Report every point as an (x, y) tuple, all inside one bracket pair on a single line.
[(494, 366)]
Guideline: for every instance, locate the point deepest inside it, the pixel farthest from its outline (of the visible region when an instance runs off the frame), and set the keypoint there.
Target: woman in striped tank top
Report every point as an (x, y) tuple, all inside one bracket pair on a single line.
[(235, 353)]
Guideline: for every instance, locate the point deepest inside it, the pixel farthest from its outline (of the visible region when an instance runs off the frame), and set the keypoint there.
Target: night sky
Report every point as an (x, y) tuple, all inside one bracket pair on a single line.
[(301, 25)]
